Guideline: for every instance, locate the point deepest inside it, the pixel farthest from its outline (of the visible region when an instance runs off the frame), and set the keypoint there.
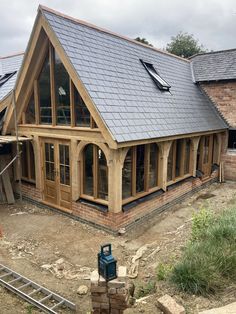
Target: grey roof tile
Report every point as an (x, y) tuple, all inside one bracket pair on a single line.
[(9, 65), (129, 102), (214, 66)]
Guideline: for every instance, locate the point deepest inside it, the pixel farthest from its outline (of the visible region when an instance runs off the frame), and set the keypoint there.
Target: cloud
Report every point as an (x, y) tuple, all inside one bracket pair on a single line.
[(213, 22)]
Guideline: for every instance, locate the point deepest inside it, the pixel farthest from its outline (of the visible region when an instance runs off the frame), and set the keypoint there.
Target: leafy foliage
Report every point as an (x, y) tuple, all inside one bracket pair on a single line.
[(143, 41), (184, 45), (209, 260), (201, 221), (164, 271), (146, 289)]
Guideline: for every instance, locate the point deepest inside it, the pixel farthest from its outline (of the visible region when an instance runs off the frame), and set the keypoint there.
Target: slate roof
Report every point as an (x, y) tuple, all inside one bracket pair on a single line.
[(8, 65), (129, 102), (214, 66)]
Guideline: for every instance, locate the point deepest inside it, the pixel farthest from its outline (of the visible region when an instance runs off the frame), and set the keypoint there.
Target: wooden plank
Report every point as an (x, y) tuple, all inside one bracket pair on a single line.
[(6, 181)]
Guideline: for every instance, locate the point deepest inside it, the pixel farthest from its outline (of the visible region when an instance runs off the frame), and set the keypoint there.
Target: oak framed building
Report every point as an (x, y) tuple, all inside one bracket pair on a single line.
[(118, 129)]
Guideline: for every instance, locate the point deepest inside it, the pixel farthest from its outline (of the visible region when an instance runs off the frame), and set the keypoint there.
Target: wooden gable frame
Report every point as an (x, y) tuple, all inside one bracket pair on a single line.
[(31, 67)]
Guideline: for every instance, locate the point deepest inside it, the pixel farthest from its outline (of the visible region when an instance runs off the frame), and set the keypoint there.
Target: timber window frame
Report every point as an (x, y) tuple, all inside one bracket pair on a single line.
[(51, 53), (131, 174), (178, 161), (98, 168), (28, 173)]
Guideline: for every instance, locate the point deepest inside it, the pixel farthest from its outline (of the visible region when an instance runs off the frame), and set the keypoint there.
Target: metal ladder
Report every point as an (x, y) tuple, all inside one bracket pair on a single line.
[(36, 294)]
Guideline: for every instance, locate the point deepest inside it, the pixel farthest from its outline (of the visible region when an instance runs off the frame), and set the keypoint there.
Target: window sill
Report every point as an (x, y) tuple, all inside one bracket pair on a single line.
[(178, 179), (92, 203), (146, 197)]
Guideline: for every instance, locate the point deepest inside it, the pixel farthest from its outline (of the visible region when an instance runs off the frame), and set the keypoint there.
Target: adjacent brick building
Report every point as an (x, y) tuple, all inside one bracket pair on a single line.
[(215, 72)]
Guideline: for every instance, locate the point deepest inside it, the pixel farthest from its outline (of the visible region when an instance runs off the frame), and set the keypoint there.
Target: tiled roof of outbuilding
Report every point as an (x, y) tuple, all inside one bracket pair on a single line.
[(214, 66), (9, 64), (127, 99)]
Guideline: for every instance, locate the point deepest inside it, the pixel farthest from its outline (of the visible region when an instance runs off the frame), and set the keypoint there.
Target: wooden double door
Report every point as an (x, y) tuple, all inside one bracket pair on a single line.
[(57, 173)]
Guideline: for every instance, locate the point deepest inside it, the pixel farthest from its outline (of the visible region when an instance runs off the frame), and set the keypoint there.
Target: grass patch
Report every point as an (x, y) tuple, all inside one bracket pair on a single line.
[(209, 260), (164, 271), (146, 289)]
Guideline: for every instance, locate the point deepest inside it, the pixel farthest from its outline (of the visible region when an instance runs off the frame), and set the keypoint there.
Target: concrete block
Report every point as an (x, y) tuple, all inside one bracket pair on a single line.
[(122, 273), (112, 291), (96, 305), (169, 306), (105, 306), (227, 309), (98, 289), (103, 298), (94, 278), (121, 291), (102, 282), (115, 283)]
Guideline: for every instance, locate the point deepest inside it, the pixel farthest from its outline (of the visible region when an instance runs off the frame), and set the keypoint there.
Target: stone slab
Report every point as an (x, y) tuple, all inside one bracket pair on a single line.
[(169, 306), (227, 309)]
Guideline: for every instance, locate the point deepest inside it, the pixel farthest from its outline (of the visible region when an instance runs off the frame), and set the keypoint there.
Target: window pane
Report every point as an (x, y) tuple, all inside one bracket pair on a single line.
[(170, 164), (140, 168), (88, 170), (187, 156), (127, 176), (82, 115), (49, 161), (178, 157), (102, 176), (206, 149), (31, 161), (24, 161), (64, 164), (30, 111), (62, 92), (45, 94), (153, 165)]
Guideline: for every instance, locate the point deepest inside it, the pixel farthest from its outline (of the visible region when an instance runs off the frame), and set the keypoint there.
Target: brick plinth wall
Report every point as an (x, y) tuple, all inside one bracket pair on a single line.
[(110, 297), (230, 165), (112, 222), (223, 94)]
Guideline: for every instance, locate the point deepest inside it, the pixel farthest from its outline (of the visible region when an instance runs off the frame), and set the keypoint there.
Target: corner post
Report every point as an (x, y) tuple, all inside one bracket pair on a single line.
[(194, 148), (115, 165)]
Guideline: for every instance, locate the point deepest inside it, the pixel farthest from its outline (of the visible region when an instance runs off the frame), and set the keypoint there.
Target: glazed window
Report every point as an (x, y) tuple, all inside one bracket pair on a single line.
[(30, 111), (27, 162), (82, 115), (205, 155), (140, 171), (62, 92), (95, 174), (179, 159), (55, 99), (158, 80), (232, 139), (44, 91)]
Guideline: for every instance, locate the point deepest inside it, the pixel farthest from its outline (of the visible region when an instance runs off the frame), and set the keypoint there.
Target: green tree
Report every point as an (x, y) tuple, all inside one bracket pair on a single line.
[(184, 45), (143, 41)]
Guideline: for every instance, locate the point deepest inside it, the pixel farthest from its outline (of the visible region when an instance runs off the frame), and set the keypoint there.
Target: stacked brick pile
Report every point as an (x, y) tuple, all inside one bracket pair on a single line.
[(110, 297)]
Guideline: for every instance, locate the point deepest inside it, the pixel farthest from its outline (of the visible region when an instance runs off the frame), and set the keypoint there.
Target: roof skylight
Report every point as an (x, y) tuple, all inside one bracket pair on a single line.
[(5, 77), (160, 82)]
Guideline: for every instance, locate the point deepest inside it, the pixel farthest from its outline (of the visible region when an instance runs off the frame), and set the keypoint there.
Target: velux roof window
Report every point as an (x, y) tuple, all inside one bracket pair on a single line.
[(5, 77), (159, 81)]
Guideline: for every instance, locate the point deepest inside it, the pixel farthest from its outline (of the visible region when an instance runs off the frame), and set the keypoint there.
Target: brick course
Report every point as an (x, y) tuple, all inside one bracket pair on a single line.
[(230, 165), (223, 94), (112, 222)]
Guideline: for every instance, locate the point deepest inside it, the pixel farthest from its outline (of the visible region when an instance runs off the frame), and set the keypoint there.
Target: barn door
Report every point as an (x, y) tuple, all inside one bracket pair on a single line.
[(57, 178), (206, 149)]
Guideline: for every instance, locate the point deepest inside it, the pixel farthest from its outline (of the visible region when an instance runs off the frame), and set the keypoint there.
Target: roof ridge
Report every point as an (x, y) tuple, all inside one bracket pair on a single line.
[(13, 55), (42, 7), (212, 52)]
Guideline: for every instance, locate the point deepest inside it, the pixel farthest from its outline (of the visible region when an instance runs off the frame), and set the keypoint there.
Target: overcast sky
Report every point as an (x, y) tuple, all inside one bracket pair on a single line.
[(212, 22)]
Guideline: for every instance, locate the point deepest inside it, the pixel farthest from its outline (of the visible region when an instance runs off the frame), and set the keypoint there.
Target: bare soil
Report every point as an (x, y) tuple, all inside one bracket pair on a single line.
[(60, 253)]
